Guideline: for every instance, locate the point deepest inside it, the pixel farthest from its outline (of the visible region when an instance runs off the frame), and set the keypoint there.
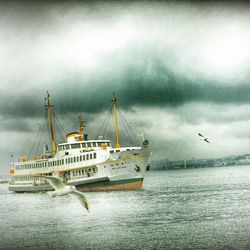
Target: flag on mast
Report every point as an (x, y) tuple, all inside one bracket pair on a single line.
[(141, 134)]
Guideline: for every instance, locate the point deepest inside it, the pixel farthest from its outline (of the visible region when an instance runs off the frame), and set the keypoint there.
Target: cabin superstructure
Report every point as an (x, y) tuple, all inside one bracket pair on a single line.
[(87, 164)]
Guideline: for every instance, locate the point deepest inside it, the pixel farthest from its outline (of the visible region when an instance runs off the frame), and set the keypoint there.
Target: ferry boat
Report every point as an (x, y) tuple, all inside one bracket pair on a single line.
[(89, 165)]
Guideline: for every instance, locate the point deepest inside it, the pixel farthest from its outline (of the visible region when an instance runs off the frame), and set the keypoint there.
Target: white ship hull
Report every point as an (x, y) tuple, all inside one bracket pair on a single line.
[(122, 170)]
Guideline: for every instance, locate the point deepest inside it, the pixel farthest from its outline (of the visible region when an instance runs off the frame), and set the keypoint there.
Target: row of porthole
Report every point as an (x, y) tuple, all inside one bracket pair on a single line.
[(113, 165)]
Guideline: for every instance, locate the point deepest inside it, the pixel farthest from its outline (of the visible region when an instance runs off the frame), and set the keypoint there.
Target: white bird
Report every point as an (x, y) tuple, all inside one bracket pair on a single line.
[(62, 189)]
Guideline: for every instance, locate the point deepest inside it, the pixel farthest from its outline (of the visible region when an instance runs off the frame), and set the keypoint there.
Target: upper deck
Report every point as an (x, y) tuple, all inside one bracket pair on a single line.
[(86, 145)]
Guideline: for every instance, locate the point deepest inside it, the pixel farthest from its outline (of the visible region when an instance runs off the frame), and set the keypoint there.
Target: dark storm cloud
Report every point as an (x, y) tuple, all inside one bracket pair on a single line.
[(164, 89)]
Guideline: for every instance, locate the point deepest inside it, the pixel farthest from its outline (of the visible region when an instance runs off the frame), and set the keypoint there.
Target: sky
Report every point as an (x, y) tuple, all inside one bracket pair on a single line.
[(178, 68)]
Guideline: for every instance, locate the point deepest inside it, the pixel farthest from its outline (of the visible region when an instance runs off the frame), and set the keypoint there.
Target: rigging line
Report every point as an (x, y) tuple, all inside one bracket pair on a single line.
[(35, 140), (108, 114), (130, 129), (59, 123), (131, 140), (40, 137), (108, 120)]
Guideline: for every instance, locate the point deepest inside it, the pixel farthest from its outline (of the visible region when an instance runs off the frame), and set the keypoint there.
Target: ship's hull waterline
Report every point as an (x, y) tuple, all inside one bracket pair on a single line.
[(107, 185)]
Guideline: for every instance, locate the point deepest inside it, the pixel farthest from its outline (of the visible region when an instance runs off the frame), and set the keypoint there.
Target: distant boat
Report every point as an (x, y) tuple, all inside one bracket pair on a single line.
[(90, 165), (4, 180)]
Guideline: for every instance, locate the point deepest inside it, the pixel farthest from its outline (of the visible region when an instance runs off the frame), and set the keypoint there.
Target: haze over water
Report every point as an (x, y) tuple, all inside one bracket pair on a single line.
[(177, 209)]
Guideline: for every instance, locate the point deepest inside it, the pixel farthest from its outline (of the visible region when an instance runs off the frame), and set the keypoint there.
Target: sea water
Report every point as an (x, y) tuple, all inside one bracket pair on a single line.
[(205, 208)]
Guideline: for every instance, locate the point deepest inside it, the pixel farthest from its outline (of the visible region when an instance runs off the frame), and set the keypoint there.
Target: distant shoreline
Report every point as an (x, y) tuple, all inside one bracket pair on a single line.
[(239, 160)]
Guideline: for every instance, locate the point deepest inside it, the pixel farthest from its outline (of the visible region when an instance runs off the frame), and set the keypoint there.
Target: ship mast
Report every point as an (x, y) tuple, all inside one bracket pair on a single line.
[(49, 108), (117, 145), (82, 126)]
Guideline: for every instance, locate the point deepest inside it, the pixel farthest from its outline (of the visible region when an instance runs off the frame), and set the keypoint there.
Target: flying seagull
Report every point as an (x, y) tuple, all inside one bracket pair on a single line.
[(206, 140), (62, 189), (203, 138)]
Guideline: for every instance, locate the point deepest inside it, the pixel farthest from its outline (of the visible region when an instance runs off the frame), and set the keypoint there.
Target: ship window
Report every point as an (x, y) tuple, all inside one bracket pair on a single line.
[(71, 160), (90, 156), (62, 161), (88, 144), (79, 171), (80, 158), (83, 157), (66, 147), (94, 155), (87, 156), (117, 151), (99, 144), (77, 158), (75, 145), (83, 145), (109, 144), (93, 170), (74, 159)]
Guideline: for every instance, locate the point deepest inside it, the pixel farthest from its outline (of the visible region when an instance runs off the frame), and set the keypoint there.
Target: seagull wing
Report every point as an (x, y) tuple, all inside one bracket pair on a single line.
[(53, 181), (201, 135), (206, 140), (82, 198)]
